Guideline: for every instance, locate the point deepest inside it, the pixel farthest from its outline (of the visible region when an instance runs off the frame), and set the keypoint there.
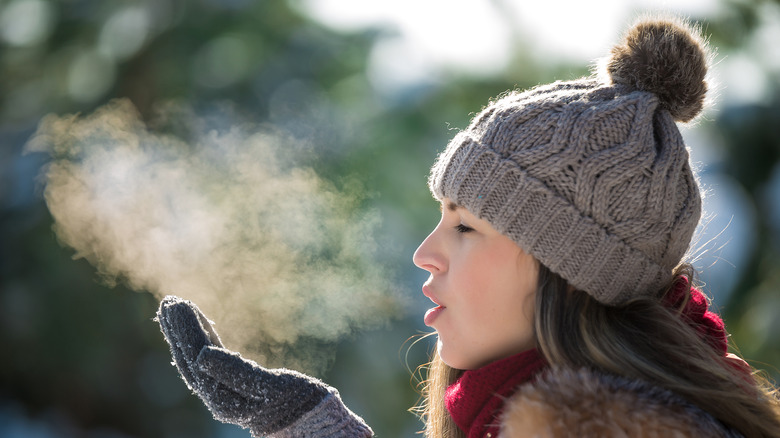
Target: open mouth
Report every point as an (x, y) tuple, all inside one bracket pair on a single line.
[(431, 314)]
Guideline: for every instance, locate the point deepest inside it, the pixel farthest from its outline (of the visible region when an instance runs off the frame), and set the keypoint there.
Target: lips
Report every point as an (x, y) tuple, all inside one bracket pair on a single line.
[(432, 314), (426, 290)]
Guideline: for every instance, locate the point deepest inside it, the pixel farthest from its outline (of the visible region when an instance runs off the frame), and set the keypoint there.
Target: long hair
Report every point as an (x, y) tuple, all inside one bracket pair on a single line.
[(641, 340)]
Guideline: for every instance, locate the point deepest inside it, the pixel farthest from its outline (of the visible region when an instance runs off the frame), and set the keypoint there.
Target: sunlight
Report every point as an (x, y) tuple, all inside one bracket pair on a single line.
[(478, 37), (469, 36)]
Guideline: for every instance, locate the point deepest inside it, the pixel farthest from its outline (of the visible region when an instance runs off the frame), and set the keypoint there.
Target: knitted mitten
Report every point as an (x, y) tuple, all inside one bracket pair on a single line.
[(269, 402)]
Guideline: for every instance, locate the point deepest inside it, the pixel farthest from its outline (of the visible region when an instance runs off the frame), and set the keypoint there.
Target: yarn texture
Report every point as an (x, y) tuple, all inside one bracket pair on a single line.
[(591, 177)]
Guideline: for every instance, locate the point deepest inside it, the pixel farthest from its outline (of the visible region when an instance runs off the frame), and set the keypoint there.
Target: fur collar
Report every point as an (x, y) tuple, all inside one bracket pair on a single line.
[(568, 403)]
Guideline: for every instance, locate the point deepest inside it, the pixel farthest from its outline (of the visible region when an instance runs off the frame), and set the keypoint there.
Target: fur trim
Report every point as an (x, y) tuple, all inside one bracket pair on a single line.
[(566, 403)]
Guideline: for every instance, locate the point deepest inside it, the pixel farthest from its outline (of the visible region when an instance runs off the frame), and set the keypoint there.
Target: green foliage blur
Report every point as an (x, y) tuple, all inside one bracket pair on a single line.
[(80, 359)]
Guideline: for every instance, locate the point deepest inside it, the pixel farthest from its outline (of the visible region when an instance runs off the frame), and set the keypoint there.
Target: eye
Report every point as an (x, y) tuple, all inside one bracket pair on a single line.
[(463, 228)]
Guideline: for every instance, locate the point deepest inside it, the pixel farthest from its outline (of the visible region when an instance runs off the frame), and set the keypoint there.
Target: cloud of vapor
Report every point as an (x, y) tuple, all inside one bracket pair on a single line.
[(282, 260)]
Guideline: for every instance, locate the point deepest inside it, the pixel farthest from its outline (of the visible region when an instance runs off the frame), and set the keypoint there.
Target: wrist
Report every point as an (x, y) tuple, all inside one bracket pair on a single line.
[(329, 419)]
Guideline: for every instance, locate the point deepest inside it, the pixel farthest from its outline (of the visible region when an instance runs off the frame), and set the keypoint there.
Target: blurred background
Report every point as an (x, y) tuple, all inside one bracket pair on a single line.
[(374, 90)]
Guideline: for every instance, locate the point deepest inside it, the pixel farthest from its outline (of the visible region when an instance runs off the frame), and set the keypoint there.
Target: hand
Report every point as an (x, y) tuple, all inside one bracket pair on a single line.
[(277, 403)]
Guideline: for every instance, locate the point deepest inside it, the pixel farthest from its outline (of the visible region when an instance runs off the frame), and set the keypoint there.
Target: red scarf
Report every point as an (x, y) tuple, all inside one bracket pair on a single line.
[(475, 400)]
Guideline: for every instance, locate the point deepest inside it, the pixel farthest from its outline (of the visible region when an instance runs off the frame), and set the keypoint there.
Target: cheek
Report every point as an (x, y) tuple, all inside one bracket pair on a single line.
[(498, 287), (481, 288), (510, 269), (510, 298), (527, 279)]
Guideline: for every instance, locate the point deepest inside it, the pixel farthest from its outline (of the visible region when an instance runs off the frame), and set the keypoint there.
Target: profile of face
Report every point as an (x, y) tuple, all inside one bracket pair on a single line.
[(484, 286)]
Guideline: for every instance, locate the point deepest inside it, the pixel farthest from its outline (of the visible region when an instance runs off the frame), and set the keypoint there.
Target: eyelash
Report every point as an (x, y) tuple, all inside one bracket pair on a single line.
[(463, 229)]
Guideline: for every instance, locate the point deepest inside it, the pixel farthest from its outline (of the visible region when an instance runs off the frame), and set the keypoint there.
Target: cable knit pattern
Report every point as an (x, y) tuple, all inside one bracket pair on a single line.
[(590, 177)]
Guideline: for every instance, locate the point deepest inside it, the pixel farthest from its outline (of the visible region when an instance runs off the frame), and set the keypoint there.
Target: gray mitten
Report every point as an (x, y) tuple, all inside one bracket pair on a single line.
[(278, 403)]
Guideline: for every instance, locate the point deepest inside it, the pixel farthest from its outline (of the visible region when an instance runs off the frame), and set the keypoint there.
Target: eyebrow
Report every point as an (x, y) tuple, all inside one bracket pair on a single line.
[(451, 206)]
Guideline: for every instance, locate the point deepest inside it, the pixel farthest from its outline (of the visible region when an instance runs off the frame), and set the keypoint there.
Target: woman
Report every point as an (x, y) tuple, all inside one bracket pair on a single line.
[(591, 179), (563, 306)]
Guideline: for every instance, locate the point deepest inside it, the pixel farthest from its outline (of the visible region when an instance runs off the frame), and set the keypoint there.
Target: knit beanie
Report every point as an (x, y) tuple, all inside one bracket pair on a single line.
[(591, 176)]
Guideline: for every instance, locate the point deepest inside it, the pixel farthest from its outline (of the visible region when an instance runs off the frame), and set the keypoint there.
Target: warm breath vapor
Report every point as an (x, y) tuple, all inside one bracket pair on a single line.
[(280, 259)]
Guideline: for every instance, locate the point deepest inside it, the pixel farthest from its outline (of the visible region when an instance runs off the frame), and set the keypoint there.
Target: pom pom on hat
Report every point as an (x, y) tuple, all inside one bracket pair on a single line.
[(666, 57)]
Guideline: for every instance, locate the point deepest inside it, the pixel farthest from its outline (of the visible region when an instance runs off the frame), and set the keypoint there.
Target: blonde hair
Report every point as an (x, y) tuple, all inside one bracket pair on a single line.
[(641, 340), (432, 410)]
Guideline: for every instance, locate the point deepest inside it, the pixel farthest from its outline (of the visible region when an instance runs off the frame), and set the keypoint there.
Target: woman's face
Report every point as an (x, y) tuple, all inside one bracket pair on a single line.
[(484, 287)]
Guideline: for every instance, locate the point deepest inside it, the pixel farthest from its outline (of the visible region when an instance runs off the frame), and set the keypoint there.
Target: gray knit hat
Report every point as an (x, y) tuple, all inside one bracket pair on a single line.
[(591, 176)]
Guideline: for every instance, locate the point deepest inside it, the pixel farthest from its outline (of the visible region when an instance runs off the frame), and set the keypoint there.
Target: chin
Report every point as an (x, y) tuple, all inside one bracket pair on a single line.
[(453, 359)]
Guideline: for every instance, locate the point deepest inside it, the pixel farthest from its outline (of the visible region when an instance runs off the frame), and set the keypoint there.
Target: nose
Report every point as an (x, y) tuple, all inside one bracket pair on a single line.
[(428, 255)]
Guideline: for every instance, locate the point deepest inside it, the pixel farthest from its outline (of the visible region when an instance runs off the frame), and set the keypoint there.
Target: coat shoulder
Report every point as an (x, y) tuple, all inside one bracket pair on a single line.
[(566, 402)]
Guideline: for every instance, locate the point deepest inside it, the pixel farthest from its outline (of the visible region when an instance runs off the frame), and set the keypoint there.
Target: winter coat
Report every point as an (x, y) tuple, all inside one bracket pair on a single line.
[(568, 403)]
